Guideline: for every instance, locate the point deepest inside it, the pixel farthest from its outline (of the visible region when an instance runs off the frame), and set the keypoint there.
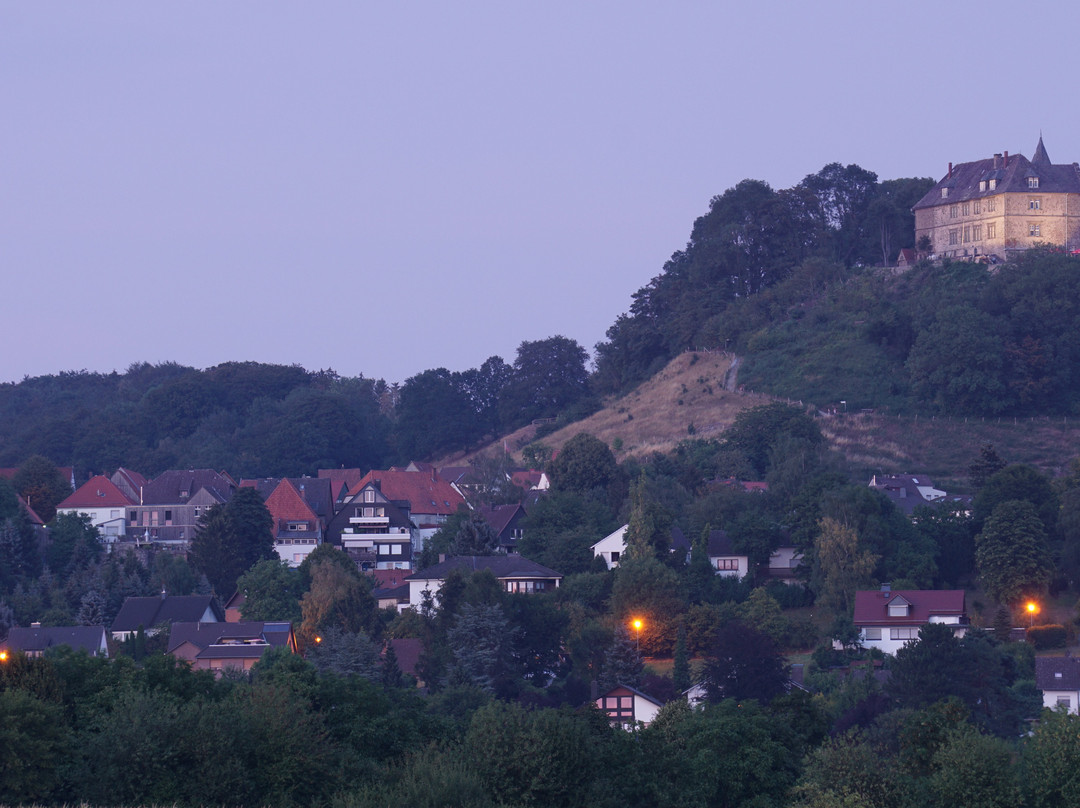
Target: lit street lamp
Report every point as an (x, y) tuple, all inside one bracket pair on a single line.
[(637, 624), (1032, 610)]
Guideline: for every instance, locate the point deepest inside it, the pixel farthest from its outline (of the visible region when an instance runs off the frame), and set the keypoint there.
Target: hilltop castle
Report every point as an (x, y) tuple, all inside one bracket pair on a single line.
[(993, 207)]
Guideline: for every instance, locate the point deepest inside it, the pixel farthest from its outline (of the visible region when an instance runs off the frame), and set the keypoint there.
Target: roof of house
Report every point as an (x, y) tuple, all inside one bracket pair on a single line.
[(1011, 172), (407, 651), (633, 691), (501, 566), (97, 492), (42, 638), (500, 516), (720, 544), (348, 477), (1057, 673), (129, 480), (286, 504), (204, 635), (153, 611), (385, 579), (177, 486), (872, 606), (425, 491)]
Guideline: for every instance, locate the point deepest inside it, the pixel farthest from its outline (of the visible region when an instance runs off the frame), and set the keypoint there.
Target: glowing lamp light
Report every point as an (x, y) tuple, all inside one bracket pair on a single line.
[(3, 656), (637, 625), (318, 639)]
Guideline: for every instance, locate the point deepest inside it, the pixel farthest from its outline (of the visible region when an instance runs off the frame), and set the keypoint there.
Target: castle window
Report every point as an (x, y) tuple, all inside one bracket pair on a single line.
[(954, 211), (982, 185), (991, 230), (1033, 182), (976, 233), (993, 184), (944, 193), (1035, 203), (991, 205), (967, 234), (966, 209), (1034, 230), (954, 236), (976, 207)]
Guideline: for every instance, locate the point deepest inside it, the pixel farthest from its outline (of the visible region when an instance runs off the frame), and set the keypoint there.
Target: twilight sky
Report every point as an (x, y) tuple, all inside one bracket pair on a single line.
[(383, 188)]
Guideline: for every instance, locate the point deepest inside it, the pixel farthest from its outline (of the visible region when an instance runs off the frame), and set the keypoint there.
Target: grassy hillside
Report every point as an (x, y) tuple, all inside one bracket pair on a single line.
[(690, 391)]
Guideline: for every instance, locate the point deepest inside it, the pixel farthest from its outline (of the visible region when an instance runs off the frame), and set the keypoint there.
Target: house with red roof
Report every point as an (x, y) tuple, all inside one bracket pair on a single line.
[(297, 528), (104, 502), (888, 619), (426, 498)]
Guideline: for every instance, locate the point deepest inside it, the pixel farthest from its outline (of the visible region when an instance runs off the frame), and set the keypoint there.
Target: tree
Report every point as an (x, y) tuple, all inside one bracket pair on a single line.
[(1012, 554), (75, 542), (337, 599), (1050, 761), (622, 662), (481, 641), (584, 464), (230, 538), (843, 195), (435, 414), (41, 484), (756, 430), (345, 653), (744, 663), (1018, 481), (272, 591), (988, 464), (549, 376), (841, 567), (680, 672)]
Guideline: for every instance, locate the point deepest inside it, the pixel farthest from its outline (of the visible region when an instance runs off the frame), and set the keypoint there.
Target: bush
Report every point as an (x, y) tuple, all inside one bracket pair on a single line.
[(1043, 637), (790, 596)]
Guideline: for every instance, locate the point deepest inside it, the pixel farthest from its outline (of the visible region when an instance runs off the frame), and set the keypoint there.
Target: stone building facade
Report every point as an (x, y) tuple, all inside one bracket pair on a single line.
[(990, 208)]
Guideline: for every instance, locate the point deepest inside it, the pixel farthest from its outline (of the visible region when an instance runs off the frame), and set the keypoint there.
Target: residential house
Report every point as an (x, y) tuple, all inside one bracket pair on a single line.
[(724, 559), (888, 619), (171, 504), (130, 482), (224, 646), (611, 547), (297, 528), (784, 563), (628, 708), (1059, 680), (391, 588), (427, 500), (991, 208), (514, 573), (506, 521), (36, 640), (375, 531), (152, 613), (104, 503)]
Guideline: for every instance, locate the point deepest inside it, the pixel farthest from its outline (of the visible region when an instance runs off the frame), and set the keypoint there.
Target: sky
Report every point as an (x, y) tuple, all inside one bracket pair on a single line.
[(384, 188)]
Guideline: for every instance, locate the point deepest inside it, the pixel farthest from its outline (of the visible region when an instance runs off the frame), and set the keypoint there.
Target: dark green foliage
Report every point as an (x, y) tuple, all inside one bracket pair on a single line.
[(74, 543), (1045, 637), (1050, 762), (34, 743), (1012, 553), (231, 538), (272, 591), (41, 484), (988, 464), (1018, 482), (755, 432), (744, 663)]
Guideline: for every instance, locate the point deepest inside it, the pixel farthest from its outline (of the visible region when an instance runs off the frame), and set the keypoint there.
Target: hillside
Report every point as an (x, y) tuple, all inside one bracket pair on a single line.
[(690, 390)]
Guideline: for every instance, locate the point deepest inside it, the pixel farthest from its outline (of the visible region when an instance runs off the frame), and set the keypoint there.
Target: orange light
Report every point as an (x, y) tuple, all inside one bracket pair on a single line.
[(1032, 607), (3, 656), (637, 625), (318, 639)]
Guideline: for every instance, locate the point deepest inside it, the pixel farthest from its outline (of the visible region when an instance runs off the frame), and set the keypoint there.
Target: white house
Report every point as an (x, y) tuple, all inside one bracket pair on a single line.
[(611, 547), (105, 504), (1059, 680), (888, 619), (723, 558), (514, 573), (628, 708)]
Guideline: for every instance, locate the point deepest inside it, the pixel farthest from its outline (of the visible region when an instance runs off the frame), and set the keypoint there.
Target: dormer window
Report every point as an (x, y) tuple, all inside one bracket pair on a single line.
[(369, 495), (899, 607), (982, 185), (944, 193), (993, 184), (1057, 674), (1033, 182)]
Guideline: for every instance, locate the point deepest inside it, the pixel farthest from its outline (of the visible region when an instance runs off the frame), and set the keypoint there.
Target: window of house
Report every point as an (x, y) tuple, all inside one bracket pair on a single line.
[(991, 205), (369, 512), (954, 236), (1034, 230), (1064, 701), (727, 563), (954, 211), (154, 516), (395, 549), (168, 516), (944, 193), (982, 185), (903, 633), (614, 556), (1033, 182), (976, 232), (967, 234), (1035, 203), (296, 527), (369, 495), (976, 207), (133, 517), (965, 209), (871, 633), (991, 230), (993, 184)]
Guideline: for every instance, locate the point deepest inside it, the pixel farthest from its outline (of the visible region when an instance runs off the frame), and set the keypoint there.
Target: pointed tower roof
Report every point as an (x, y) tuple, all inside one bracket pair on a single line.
[(1041, 157)]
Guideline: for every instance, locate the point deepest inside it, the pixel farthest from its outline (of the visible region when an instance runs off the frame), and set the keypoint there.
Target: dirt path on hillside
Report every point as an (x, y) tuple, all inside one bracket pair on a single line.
[(731, 377)]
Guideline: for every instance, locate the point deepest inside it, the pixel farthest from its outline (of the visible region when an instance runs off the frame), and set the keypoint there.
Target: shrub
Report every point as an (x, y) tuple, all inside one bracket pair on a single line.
[(1043, 637)]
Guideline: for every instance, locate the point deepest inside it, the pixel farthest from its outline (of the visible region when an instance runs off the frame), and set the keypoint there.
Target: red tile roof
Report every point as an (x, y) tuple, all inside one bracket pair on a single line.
[(97, 492), (425, 491), (872, 607), (287, 503)]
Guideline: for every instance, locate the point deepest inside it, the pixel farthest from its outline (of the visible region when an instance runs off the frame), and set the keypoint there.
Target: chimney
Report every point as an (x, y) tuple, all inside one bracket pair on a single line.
[(35, 625), (886, 590), (950, 170), (1006, 160), (997, 161)]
